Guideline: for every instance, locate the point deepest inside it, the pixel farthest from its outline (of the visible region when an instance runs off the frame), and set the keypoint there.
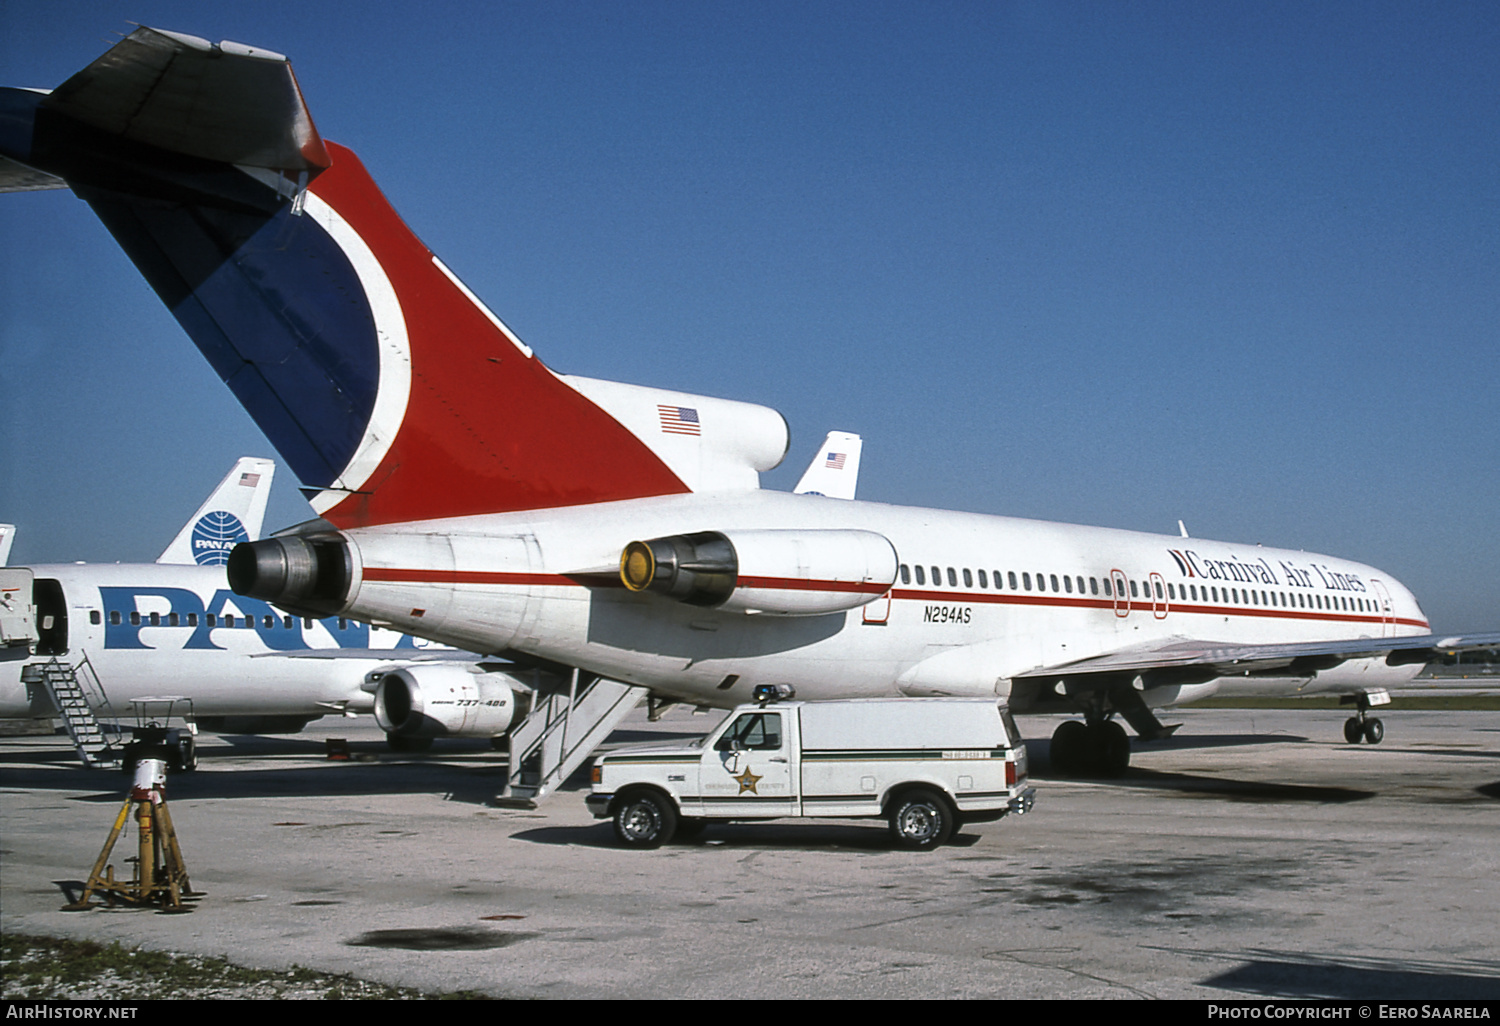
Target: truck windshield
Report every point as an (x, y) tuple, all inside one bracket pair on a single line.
[(759, 731)]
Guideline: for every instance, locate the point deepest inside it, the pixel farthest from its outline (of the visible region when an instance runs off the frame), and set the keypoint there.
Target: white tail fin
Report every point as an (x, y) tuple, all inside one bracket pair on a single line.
[(7, 536), (834, 471), (233, 513)]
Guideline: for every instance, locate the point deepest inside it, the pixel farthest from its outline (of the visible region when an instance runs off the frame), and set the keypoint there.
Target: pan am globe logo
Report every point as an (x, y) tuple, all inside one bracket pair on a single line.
[(214, 535)]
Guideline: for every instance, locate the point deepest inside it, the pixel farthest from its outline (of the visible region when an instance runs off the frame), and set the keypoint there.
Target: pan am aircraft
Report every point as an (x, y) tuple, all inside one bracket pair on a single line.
[(173, 627), (470, 495)]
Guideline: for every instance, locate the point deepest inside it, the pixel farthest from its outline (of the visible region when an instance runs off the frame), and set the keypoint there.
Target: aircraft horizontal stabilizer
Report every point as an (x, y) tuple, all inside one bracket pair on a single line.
[(223, 102), (17, 177)]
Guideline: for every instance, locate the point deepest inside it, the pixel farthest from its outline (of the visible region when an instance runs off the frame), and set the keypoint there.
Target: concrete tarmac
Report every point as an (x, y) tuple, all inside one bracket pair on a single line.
[(1253, 855)]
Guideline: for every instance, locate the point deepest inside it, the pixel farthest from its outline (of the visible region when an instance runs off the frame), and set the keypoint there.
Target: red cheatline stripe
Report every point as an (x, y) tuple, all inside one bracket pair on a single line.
[(798, 584), (420, 576), (417, 576)]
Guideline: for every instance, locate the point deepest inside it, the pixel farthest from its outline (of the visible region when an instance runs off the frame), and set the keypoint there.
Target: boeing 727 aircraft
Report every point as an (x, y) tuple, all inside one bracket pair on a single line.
[(470, 495)]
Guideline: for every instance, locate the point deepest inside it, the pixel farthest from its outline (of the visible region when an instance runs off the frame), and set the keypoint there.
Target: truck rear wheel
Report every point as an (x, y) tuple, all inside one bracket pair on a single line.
[(921, 820), (644, 819)]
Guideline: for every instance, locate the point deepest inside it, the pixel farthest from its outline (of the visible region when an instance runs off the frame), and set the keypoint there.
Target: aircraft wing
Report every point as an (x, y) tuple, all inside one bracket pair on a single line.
[(386, 655), (1183, 661)]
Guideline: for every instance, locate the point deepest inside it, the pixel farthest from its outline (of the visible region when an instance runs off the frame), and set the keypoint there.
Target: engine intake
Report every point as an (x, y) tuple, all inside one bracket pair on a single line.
[(447, 700), (308, 575), (792, 573)]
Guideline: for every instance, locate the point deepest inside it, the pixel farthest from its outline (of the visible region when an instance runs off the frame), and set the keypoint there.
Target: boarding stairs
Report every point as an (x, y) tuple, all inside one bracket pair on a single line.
[(561, 731), (76, 692)]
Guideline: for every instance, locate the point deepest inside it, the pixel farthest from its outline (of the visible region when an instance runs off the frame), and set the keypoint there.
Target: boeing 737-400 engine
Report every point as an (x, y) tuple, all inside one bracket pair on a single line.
[(419, 703)]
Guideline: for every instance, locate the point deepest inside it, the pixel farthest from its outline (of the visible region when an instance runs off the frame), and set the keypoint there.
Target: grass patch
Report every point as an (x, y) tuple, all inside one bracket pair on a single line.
[(41, 968)]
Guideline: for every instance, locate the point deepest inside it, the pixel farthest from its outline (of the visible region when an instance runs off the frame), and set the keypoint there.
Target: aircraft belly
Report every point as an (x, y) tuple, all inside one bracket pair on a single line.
[(220, 685)]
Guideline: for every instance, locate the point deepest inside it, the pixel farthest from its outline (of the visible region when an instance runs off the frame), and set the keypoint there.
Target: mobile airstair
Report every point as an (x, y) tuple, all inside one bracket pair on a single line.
[(76, 692), (561, 731)]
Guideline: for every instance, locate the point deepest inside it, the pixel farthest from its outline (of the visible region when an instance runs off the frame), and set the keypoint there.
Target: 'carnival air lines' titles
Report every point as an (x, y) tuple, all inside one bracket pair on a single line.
[(1261, 572)]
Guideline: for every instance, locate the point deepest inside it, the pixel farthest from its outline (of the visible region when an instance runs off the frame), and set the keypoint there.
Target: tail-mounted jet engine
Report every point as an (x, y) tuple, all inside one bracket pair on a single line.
[(447, 700), (793, 573), (308, 575)]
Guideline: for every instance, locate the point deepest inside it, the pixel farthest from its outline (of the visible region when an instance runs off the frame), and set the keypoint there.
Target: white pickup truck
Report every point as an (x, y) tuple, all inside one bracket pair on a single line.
[(925, 764)]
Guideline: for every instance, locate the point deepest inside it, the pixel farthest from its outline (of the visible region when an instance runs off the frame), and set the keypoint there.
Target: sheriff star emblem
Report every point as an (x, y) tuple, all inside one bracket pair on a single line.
[(747, 781)]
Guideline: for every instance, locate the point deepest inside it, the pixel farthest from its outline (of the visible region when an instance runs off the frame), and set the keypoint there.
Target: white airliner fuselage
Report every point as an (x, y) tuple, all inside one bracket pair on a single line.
[(979, 600), (156, 630)]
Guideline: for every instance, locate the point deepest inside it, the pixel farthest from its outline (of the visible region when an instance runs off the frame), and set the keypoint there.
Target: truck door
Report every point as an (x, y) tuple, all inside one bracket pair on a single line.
[(748, 773)]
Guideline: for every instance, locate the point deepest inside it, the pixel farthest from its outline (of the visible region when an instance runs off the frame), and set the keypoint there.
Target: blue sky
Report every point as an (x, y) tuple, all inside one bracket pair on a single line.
[(1119, 264)]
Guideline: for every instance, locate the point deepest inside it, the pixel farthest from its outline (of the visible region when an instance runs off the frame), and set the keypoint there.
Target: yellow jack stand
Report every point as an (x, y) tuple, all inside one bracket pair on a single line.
[(160, 877)]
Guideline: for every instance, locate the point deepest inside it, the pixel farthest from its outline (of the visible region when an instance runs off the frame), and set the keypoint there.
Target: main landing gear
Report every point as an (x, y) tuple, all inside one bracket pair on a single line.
[(1361, 726), (1099, 749)]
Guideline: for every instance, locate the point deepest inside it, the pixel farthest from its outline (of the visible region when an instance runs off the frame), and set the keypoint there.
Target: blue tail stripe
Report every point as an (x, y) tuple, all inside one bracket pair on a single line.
[(277, 309)]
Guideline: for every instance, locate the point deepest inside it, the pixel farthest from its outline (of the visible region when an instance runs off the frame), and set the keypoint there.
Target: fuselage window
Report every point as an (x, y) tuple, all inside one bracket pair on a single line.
[(94, 617), (192, 619), (1134, 591), (114, 617), (228, 619), (983, 580), (952, 578), (135, 619), (921, 577), (1012, 576), (969, 578), (1093, 585), (905, 574), (937, 576), (1108, 591), (1054, 582), (211, 619), (1026, 581), (1067, 584), (171, 619), (343, 624), (1171, 592)]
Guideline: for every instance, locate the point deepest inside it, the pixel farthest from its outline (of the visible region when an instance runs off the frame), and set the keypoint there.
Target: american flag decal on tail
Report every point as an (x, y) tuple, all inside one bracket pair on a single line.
[(679, 420), (835, 460)]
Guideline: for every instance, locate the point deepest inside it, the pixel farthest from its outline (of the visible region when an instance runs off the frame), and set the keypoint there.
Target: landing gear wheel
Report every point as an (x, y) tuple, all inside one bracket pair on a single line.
[(644, 819), (1111, 749), (1374, 731), (921, 820), (1353, 730), (1069, 745)]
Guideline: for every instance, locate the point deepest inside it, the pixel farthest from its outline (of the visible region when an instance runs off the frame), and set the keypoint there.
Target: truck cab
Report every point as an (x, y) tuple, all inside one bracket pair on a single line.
[(926, 765)]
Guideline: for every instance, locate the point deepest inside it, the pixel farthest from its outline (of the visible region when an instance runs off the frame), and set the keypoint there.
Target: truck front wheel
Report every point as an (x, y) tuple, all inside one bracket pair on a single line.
[(644, 819), (921, 820)]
